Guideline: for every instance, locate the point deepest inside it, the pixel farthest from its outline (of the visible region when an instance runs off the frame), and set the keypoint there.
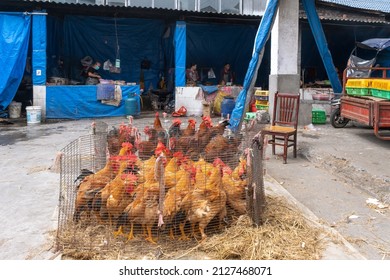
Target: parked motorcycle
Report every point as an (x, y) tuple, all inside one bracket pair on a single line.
[(336, 119)]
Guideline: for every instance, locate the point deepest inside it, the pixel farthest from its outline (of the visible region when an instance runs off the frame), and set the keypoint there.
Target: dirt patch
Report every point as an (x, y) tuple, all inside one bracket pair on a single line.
[(345, 172)]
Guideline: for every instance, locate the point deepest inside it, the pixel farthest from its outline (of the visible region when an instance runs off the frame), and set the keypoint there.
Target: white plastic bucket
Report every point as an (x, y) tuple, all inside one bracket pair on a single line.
[(14, 110), (33, 114)]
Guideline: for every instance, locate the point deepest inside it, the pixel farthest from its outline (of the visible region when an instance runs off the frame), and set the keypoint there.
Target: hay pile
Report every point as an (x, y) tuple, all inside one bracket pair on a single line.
[(284, 235)]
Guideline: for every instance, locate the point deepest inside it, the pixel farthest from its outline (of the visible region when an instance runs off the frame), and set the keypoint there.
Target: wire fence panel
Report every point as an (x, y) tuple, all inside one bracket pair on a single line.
[(125, 190)]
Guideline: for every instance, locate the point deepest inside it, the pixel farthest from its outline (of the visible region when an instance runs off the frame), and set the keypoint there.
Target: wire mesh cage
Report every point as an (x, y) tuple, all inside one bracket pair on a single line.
[(129, 190)]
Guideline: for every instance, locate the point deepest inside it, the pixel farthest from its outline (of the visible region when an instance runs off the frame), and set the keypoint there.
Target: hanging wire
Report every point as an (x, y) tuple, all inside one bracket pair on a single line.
[(117, 41)]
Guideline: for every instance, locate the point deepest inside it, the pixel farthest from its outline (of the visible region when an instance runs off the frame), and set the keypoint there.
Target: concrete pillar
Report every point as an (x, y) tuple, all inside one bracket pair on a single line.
[(285, 53)]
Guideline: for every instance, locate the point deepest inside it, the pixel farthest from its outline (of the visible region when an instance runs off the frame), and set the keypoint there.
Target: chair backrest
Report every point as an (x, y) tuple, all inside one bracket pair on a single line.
[(286, 109)]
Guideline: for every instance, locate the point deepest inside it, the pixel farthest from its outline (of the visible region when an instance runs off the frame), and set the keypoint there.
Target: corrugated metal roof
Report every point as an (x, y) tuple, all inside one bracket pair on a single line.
[(346, 16), (330, 10), (372, 5)]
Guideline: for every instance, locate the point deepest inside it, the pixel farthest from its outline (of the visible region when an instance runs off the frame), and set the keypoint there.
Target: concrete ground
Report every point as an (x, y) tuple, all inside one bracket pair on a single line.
[(335, 173)]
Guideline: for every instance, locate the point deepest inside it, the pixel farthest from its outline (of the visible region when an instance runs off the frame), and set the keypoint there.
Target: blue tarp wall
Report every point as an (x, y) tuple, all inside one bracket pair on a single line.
[(75, 102), (14, 39), (213, 45), (208, 45), (75, 37)]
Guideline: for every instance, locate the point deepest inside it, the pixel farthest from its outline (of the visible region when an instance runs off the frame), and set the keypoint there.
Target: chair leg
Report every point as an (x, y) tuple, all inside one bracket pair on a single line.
[(285, 149), (295, 146), (273, 144)]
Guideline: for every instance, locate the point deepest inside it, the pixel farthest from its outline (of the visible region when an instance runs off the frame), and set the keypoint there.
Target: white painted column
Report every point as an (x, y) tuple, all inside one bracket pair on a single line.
[(285, 54), (39, 99)]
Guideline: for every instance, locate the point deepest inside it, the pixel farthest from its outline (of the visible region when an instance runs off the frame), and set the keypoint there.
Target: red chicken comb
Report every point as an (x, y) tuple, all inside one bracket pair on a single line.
[(176, 122), (178, 155), (218, 161), (157, 115), (127, 145), (160, 148)]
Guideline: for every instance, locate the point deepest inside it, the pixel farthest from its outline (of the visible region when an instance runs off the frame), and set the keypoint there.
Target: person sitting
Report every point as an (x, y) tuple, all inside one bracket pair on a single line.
[(226, 75), (58, 69), (92, 74), (192, 75)]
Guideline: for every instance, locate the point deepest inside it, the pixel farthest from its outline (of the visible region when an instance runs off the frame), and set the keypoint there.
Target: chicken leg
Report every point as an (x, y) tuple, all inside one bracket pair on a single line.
[(150, 237)]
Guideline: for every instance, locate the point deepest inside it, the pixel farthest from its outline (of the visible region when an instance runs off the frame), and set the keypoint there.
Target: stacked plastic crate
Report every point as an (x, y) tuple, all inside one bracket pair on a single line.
[(262, 102), (358, 87), (318, 116), (381, 88)]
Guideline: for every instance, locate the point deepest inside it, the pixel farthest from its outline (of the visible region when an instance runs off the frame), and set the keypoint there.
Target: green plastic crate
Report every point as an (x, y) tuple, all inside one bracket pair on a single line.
[(381, 93), (262, 107), (318, 116), (250, 116), (358, 91)]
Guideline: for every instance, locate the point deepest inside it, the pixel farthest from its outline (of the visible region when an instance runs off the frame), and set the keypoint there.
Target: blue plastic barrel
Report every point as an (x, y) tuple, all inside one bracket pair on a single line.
[(132, 105), (227, 106)]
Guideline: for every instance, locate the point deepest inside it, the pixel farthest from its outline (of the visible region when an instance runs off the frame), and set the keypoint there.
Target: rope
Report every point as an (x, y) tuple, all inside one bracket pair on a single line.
[(117, 41)]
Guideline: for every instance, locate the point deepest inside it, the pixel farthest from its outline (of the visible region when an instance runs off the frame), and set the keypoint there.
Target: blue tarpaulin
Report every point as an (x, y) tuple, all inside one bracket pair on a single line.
[(262, 36), (212, 45), (14, 38), (129, 40), (39, 49), (319, 36), (76, 102), (180, 54)]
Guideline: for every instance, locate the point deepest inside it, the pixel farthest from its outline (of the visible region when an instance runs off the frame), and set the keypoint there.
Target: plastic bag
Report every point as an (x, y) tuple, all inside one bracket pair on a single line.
[(211, 74), (107, 65)]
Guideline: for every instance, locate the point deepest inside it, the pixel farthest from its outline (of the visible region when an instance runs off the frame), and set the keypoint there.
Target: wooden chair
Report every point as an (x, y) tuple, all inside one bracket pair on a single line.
[(283, 128)]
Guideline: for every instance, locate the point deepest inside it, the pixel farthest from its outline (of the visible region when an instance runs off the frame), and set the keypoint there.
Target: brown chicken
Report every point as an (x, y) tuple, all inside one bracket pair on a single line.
[(206, 201), (121, 189), (146, 148), (219, 129), (116, 186), (92, 184), (235, 189), (182, 144), (198, 142), (143, 210), (126, 133), (222, 147), (172, 203)]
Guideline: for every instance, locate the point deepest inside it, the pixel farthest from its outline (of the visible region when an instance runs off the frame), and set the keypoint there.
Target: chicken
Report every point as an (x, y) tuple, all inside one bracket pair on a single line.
[(157, 123), (240, 172), (219, 129), (206, 201), (172, 173), (146, 172), (222, 147), (190, 129), (198, 142), (115, 189), (125, 133), (235, 189), (143, 210), (146, 148), (91, 185), (174, 133), (182, 143), (161, 149), (151, 211), (172, 203), (121, 189)]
